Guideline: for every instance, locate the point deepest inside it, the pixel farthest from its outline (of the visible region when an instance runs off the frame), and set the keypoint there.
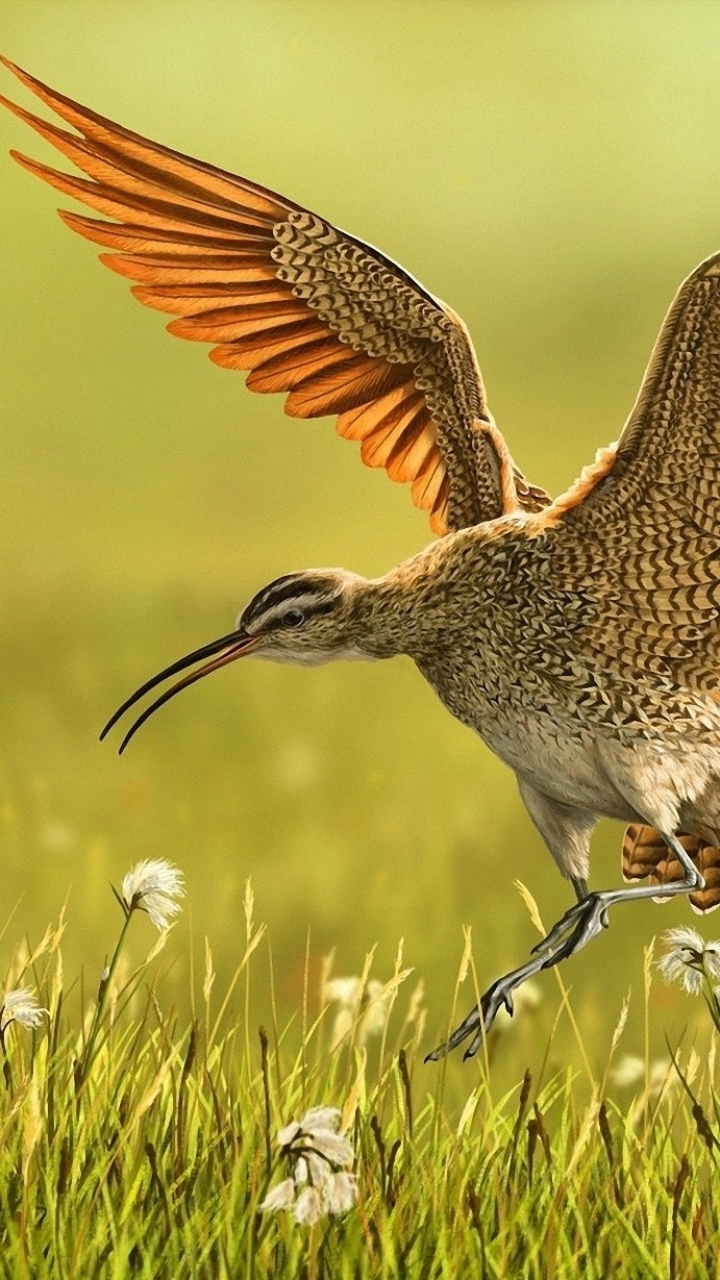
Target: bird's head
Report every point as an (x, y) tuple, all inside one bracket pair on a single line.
[(306, 618)]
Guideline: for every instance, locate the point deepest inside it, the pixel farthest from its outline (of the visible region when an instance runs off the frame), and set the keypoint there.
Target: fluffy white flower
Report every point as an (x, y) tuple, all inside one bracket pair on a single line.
[(344, 991), (364, 1006), (331, 1146), (281, 1197), (319, 1158), (341, 1192), (690, 959), (21, 1006), (288, 1135), (630, 1070), (309, 1206), (317, 1131), (154, 885), (320, 1118)]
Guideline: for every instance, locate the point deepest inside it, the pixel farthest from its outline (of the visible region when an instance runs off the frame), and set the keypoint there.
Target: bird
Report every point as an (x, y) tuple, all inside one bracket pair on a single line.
[(578, 637)]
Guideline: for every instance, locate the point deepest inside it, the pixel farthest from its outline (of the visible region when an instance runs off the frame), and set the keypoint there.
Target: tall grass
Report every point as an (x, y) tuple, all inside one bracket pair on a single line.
[(152, 1157)]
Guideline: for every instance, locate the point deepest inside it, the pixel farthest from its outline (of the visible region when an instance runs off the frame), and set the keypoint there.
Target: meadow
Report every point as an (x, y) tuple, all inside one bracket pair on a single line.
[(146, 496), (146, 1144)]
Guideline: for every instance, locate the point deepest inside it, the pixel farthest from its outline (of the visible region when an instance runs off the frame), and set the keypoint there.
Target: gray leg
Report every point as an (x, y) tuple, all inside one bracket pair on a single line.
[(580, 887), (574, 930)]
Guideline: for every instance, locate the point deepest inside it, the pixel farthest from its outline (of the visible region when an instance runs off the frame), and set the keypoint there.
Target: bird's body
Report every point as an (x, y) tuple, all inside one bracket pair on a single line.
[(495, 623), (579, 638)]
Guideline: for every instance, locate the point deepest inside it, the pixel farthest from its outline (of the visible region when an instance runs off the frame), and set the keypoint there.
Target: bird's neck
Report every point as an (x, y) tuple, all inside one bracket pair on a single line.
[(405, 612)]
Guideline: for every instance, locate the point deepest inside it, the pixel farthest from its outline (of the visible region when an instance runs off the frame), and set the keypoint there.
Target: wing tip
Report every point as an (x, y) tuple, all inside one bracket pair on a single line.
[(13, 67), (42, 91), (27, 162)]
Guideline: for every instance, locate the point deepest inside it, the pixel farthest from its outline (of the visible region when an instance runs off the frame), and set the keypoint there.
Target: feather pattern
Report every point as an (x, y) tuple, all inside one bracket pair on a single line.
[(638, 533), (295, 303), (645, 856)]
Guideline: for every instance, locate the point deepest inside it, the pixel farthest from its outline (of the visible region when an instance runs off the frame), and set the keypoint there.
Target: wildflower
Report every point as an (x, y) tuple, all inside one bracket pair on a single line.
[(319, 1156), (281, 1196), (359, 1004), (308, 1206), (21, 1006), (154, 885), (630, 1071), (690, 959)]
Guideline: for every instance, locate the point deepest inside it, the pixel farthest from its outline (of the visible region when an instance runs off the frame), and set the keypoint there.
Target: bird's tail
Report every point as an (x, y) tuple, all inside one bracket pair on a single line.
[(646, 856)]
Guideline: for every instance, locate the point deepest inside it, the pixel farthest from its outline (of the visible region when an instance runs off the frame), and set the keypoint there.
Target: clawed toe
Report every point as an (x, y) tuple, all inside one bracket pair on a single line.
[(478, 1022), (578, 926), (559, 932)]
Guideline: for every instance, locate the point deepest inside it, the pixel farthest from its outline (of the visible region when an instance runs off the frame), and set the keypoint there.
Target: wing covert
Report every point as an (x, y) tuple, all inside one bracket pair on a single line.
[(298, 305), (640, 530)]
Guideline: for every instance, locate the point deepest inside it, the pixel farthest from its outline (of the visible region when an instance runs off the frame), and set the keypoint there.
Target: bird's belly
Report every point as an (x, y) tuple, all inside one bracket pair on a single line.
[(562, 764), (555, 752), (671, 784), (661, 777)]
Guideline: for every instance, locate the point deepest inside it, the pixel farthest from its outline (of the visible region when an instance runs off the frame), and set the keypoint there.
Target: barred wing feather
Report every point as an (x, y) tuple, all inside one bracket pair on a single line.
[(300, 306)]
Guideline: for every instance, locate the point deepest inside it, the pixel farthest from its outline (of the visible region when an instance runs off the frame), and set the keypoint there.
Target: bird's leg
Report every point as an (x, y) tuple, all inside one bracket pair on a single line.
[(579, 925), (580, 887), (480, 1019)]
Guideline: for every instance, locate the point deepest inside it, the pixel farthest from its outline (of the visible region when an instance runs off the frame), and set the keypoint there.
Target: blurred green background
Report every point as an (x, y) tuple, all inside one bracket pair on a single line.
[(553, 171)]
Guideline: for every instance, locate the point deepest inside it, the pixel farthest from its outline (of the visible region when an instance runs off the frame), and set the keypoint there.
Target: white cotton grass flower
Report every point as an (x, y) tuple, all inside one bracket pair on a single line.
[(281, 1196), (629, 1071), (649, 1086), (690, 960), (21, 1006), (154, 885), (320, 1180), (361, 1005)]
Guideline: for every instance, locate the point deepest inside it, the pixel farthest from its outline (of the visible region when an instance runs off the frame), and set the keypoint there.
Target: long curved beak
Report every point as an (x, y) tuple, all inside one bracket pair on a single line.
[(219, 652)]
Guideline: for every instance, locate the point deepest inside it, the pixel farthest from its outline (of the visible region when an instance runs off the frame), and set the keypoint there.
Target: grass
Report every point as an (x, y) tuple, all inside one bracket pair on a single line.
[(150, 1155)]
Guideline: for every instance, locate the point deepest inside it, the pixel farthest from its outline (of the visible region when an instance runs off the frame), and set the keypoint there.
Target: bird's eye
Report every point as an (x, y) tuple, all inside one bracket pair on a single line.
[(293, 618)]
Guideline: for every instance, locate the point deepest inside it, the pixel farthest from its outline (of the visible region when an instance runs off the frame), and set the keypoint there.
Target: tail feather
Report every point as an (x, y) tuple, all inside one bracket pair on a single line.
[(645, 856)]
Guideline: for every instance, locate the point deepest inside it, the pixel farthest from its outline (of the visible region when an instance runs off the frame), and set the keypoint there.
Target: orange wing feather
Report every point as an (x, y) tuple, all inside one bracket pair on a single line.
[(299, 306)]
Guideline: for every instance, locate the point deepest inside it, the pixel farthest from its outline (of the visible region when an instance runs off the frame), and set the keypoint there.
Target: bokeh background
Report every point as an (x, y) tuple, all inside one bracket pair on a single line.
[(553, 171)]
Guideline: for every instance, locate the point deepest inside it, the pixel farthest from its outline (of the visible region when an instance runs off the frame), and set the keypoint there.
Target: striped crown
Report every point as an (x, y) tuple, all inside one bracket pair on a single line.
[(310, 594)]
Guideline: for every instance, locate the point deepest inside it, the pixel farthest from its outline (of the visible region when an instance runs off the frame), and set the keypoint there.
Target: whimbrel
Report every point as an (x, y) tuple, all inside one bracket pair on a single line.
[(580, 638)]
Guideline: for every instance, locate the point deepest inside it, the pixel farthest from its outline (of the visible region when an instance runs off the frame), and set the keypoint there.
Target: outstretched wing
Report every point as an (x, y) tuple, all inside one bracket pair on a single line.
[(302, 306), (639, 533)]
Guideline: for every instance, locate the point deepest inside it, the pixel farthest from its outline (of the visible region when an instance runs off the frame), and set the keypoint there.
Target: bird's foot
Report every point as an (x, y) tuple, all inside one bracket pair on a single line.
[(479, 1020), (584, 920), (577, 927)]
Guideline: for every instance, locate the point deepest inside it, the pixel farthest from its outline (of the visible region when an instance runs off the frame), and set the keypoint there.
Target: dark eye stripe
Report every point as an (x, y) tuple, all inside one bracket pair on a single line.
[(313, 608), (308, 606), (310, 596)]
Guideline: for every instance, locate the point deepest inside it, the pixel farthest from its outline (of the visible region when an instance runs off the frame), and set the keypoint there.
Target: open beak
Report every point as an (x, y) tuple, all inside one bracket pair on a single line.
[(219, 653)]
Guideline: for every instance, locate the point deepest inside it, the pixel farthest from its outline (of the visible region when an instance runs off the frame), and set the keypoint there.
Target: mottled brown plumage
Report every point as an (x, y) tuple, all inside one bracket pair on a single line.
[(579, 638)]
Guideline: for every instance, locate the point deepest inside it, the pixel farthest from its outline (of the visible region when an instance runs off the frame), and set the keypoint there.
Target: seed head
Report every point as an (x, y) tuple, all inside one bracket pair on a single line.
[(154, 885), (21, 1006), (319, 1158), (361, 1004), (690, 960)]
